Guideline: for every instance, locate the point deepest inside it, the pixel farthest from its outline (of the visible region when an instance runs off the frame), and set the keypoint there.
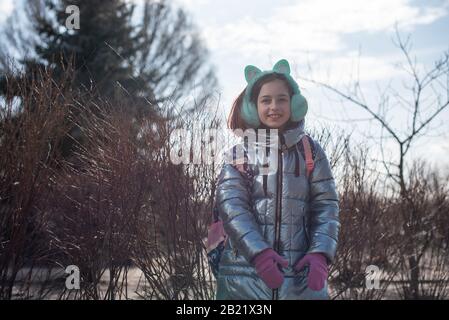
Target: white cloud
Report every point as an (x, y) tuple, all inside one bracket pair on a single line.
[(347, 68), (316, 25), (191, 3), (6, 7)]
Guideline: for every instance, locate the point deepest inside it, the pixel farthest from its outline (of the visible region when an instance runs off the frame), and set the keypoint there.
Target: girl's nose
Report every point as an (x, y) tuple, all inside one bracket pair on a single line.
[(274, 106)]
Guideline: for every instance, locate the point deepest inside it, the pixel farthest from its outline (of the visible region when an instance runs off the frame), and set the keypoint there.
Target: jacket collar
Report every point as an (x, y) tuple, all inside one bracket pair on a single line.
[(292, 136), (287, 139)]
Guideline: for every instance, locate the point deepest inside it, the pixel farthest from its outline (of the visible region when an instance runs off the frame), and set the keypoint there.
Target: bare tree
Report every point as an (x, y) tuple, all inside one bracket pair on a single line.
[(172, 57), (160, 57), (422, 111)]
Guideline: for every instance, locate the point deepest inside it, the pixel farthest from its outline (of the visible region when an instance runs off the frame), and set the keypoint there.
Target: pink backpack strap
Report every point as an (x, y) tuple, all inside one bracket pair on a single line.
[(308, 154), (215, 235)]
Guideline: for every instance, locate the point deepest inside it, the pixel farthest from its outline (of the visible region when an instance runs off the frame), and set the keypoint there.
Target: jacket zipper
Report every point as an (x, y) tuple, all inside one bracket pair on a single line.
[(306, 231), (277, 221)]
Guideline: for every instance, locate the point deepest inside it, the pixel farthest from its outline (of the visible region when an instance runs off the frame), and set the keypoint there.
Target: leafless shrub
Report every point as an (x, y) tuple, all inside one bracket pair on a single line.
[(170, 250), (424, 213), (30, 130), (364, 238)]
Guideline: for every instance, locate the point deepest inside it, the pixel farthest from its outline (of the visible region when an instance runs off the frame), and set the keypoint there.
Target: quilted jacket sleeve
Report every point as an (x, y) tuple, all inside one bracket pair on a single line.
[(324, 207), (235, 210)]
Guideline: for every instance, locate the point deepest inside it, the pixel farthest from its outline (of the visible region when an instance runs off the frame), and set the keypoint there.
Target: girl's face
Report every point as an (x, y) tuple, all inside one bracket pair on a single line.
[(273, 104)]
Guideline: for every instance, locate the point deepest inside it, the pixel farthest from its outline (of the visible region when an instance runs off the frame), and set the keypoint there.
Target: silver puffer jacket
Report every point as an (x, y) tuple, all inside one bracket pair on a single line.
[(304, 217)]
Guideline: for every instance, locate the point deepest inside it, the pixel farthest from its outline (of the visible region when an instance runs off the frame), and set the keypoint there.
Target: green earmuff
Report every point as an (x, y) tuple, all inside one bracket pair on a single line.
[(298, 104)]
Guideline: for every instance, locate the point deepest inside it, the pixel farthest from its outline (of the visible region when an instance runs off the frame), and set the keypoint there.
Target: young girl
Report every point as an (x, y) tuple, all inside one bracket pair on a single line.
[(282, 228)]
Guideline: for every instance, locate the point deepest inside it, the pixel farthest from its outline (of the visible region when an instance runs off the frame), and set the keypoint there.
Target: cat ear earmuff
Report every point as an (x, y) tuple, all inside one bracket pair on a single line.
[(298, 104)]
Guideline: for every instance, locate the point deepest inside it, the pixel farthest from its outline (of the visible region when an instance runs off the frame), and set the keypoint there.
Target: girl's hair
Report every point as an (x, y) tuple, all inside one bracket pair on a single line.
[(235, 120)]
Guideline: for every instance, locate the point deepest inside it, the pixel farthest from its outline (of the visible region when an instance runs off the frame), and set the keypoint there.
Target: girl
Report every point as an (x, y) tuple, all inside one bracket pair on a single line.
[(282, 228)]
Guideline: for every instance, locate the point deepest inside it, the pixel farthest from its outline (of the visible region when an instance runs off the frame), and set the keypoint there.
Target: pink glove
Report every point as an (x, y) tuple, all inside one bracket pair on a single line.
[(318, 269), (266, 264)]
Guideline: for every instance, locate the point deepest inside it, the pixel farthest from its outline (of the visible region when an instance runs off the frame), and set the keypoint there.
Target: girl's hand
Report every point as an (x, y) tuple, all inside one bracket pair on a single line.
[(318, 270), (266, 264)]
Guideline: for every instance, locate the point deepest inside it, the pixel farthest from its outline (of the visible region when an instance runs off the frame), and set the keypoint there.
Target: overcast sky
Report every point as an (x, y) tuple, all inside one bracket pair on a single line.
[(339, 40)]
